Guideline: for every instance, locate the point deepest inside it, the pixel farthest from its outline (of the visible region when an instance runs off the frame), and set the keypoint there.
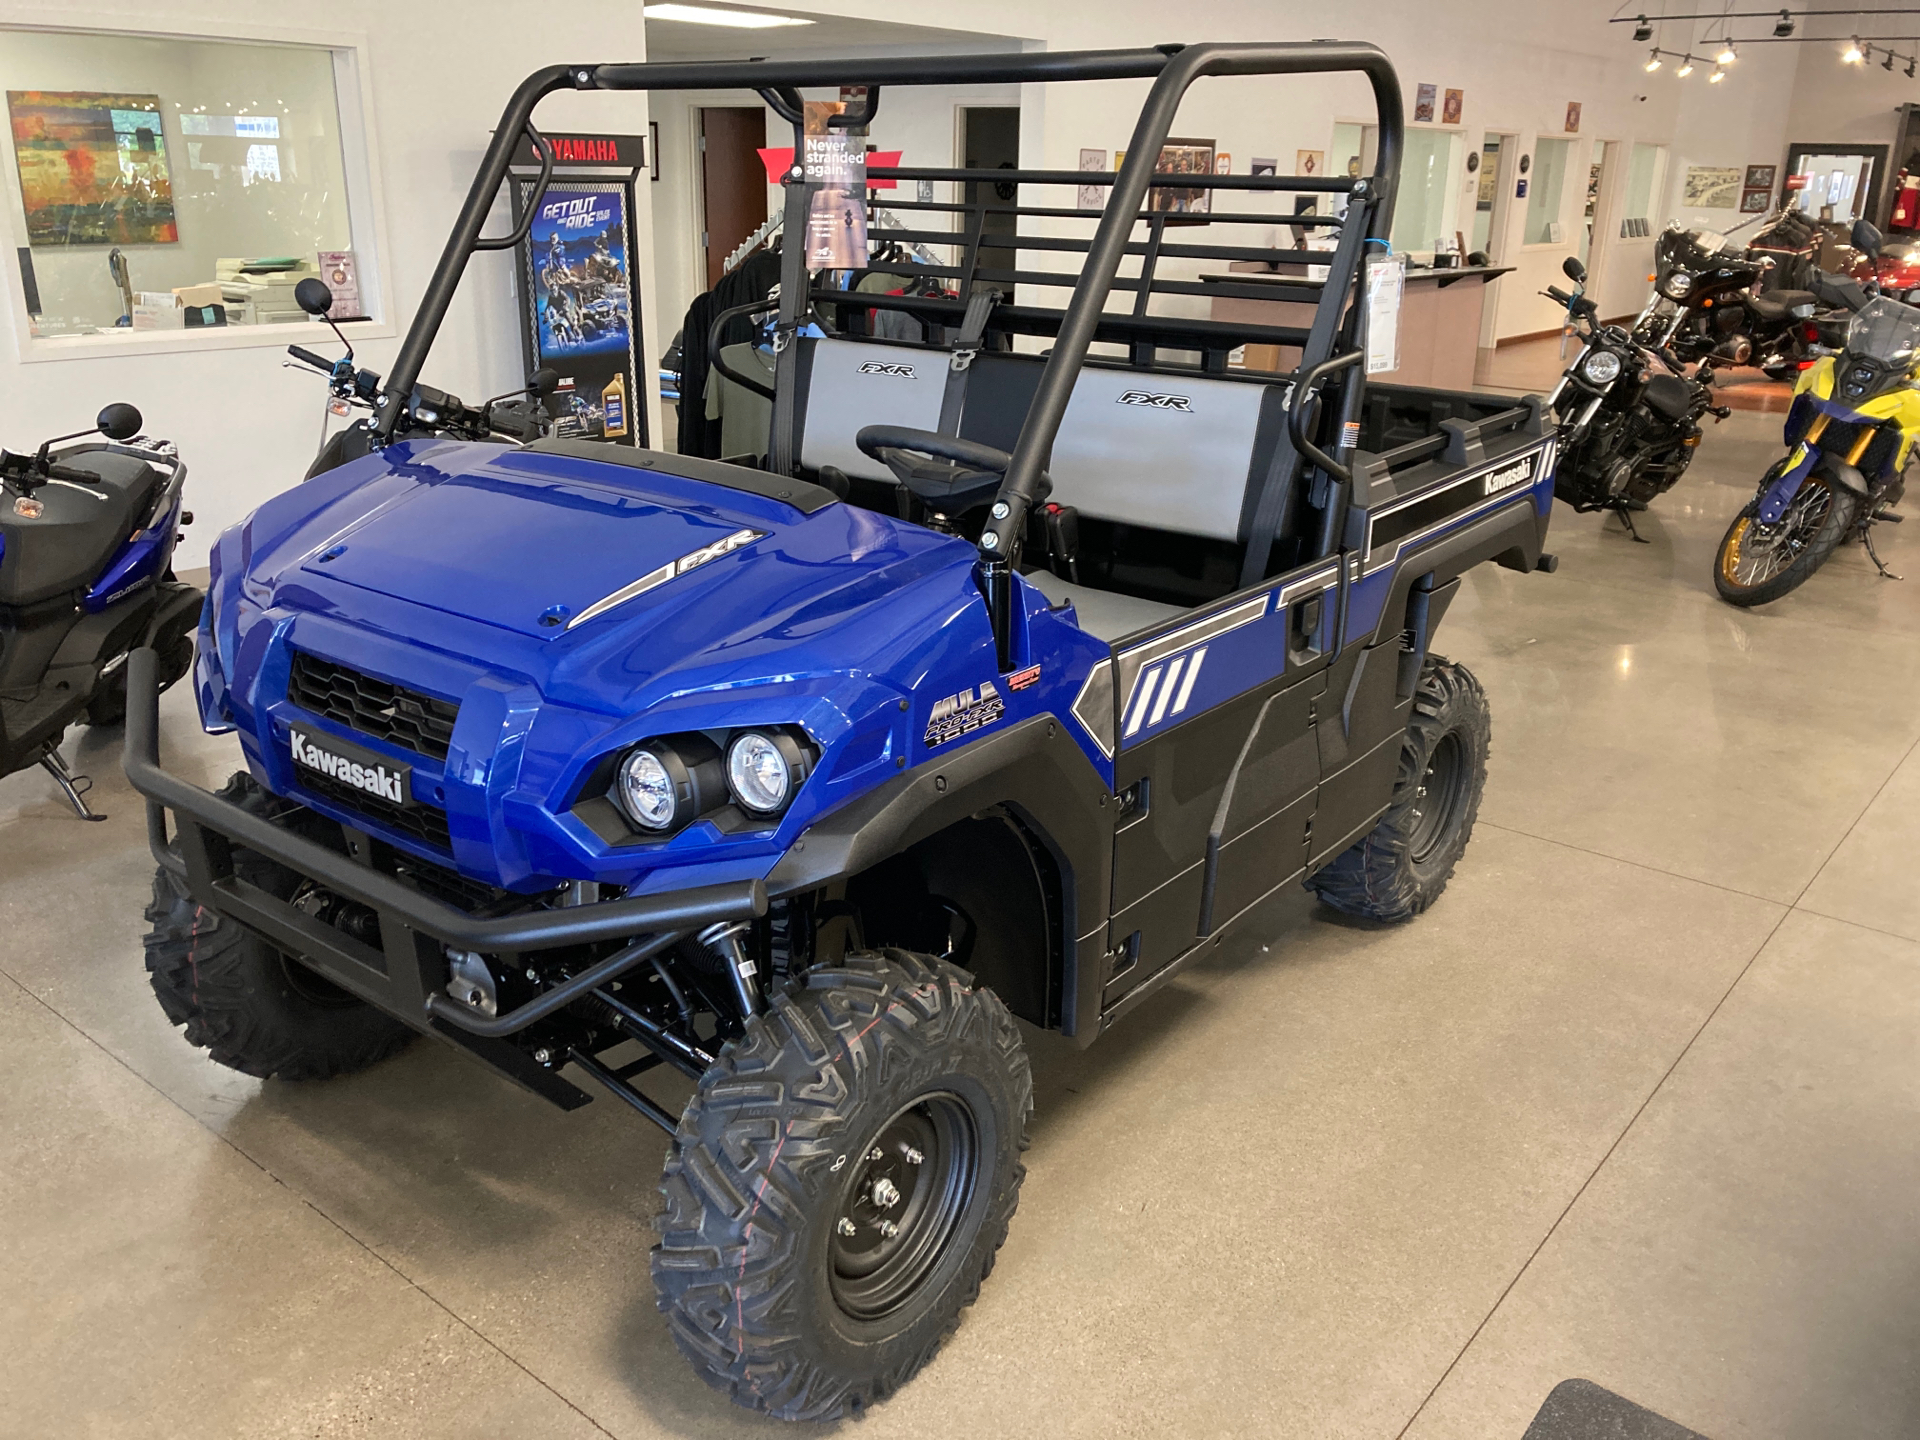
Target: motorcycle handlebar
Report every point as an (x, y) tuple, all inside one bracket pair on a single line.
[(1555, 293), (69, 472), (307, 357)]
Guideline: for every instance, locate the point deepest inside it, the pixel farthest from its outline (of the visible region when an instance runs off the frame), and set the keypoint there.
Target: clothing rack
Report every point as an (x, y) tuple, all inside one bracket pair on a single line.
[(768, 229)]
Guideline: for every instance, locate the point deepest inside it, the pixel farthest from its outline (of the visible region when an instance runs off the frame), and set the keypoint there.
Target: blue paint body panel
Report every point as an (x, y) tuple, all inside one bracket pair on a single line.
[(433, 564)]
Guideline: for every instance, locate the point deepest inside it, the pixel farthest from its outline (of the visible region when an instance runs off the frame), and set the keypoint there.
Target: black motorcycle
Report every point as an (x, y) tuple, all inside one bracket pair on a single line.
[(1628, 414), (518, 415), (1708, 304), (86, 578)]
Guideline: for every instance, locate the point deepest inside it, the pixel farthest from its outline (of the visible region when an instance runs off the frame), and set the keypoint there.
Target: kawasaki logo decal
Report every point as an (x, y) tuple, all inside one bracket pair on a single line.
[(671, 570), (963, 714), (1518, 473), (1158, 402), (876, 367), (352, 766)]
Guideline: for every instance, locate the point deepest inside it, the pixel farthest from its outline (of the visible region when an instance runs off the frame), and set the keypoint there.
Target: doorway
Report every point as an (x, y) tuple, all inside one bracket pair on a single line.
[(990, 140), (1491, 202), (733, 182)]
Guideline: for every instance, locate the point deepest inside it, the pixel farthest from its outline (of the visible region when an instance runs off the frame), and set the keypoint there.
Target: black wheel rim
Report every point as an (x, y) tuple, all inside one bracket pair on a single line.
[(903, 1205), (1437, 796)]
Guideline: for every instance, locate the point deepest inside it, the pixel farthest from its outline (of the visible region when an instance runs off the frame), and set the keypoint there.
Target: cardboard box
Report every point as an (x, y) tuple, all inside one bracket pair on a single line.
[(209, 293)]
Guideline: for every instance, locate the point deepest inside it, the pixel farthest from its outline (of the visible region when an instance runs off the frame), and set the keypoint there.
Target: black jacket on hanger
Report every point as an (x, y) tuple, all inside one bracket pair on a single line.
[(750, 280)]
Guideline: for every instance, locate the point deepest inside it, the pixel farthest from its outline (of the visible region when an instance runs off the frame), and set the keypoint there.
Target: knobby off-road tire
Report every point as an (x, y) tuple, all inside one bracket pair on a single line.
[(241, 999), (1400, 866), (1817, 534), (852, 1072)]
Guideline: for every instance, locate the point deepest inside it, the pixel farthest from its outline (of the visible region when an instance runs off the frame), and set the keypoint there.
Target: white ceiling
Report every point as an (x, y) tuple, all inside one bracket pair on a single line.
[(828, 35)]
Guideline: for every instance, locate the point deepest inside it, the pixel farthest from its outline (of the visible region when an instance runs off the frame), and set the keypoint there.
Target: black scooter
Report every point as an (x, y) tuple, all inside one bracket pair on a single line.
[(86, 577), (1629, 415)]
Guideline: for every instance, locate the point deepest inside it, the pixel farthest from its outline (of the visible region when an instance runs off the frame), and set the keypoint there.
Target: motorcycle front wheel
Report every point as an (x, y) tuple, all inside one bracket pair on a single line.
[(1759, 563)]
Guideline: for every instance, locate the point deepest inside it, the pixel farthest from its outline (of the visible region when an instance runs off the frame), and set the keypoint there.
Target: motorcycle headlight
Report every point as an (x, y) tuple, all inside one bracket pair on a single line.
[(646, 791), (1678, 285), (1601, 367), (764, 768)]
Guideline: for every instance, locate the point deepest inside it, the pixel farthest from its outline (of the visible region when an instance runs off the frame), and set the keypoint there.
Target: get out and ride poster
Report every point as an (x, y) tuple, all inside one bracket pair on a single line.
[(578, 278)]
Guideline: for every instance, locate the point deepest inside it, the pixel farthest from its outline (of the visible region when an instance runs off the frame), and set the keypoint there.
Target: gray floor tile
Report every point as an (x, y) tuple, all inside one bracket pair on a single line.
[(1872, 878), (1746, 1262)]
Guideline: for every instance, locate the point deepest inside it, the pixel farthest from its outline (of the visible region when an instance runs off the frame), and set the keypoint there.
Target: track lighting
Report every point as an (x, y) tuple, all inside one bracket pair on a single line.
[(1653, 62), (1642, 30), (1854, 54), (1686, 68), (1783, 27), (1716, 77), (1726, 55), (1910, 64), (1887, 64)]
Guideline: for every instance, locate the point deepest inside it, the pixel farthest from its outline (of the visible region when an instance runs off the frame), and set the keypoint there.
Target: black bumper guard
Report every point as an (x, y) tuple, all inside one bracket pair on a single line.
[(408, 974)]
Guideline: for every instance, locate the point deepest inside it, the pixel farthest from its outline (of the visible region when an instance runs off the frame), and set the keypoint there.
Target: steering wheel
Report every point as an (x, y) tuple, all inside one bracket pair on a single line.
[(949, 475)]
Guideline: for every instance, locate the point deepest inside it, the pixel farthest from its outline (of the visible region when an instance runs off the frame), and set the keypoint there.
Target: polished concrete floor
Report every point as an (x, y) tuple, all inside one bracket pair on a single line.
[(1638, 1100)]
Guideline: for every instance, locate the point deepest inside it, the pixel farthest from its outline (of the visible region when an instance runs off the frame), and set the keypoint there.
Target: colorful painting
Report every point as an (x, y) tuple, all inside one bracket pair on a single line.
[(93, 168), (1573, 117), (1424, 97), (1451, 105)]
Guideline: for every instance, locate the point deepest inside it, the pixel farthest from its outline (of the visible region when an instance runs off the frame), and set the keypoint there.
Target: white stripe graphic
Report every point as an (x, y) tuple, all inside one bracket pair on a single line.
[(1166, 690), (1193, 674), (1147, 684)]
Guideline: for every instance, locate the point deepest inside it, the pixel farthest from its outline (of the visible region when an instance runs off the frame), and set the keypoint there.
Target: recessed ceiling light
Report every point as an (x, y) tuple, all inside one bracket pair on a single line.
[(713, 15)]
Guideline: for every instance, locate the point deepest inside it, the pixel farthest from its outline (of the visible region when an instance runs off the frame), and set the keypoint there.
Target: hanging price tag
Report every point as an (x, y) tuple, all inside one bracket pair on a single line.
[(1386, 278)]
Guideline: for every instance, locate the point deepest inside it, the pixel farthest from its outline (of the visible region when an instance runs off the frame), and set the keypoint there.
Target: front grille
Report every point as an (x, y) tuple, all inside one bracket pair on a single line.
[(422, 822), (403, 717)]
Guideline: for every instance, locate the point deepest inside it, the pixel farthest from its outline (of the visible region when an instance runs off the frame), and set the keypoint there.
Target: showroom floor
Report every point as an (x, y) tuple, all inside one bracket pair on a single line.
[(1638, 1100)]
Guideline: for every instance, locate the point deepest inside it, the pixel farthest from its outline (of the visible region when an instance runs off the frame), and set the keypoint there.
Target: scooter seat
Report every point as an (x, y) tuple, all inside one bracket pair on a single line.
[(1778, 304), (79, 529)]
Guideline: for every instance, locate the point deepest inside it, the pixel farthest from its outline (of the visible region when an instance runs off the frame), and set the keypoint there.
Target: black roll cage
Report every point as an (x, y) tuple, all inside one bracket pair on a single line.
[(1329, 350)]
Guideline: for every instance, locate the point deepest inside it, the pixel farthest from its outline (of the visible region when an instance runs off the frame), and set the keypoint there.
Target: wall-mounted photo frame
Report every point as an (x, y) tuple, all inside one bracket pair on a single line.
[(1183, 157), (1573, 117), (1451, 105), (1092, 197), (1761, 177), (1424, 97), (1755, 202)]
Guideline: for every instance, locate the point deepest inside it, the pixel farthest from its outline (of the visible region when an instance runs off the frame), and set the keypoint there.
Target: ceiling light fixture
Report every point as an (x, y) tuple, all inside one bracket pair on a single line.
[(1783, 27), (1716, 77), (1653, 62), (1887, 64), (1686, 68), (1642, 30), (1854, 55), (714, 15), (1910, 64), (1726, 55)]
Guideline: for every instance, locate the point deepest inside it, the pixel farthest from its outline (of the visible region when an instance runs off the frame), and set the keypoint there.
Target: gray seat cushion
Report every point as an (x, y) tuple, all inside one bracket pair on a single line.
[(1102, 613)]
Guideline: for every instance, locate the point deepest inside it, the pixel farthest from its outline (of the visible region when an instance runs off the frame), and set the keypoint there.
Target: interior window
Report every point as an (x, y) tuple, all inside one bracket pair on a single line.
[(1550, 161), (173, 184), (1420, 219)]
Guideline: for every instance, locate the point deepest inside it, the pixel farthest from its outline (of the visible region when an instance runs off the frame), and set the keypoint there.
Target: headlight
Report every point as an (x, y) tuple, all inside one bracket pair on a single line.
[(1678, 285), (763, 770), (646, 791), (1601, 367)]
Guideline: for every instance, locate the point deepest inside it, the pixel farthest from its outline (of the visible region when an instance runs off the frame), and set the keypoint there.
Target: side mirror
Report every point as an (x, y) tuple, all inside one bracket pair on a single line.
[(543, 382), (1866, 238), (1574, 270), (313, 296), (119, 422)]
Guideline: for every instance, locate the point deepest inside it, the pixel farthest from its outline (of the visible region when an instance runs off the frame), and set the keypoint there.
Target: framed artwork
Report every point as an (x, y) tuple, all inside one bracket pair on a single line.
[(1092, 197), (1755, 202), (1573, 117), (1451, 106), (1309, 162), (1223, 163), (1423, 98), (1183, 157), (1264, 167), (1761, 177), (1711, 187), (93, 168)]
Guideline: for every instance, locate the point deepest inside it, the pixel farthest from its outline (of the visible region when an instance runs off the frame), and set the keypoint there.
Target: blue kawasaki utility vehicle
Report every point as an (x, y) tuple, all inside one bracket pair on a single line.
[(1032, 657)]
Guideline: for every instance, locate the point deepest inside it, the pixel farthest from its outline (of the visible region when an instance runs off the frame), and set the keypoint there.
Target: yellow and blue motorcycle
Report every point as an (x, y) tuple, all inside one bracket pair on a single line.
[(1851, 433)]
